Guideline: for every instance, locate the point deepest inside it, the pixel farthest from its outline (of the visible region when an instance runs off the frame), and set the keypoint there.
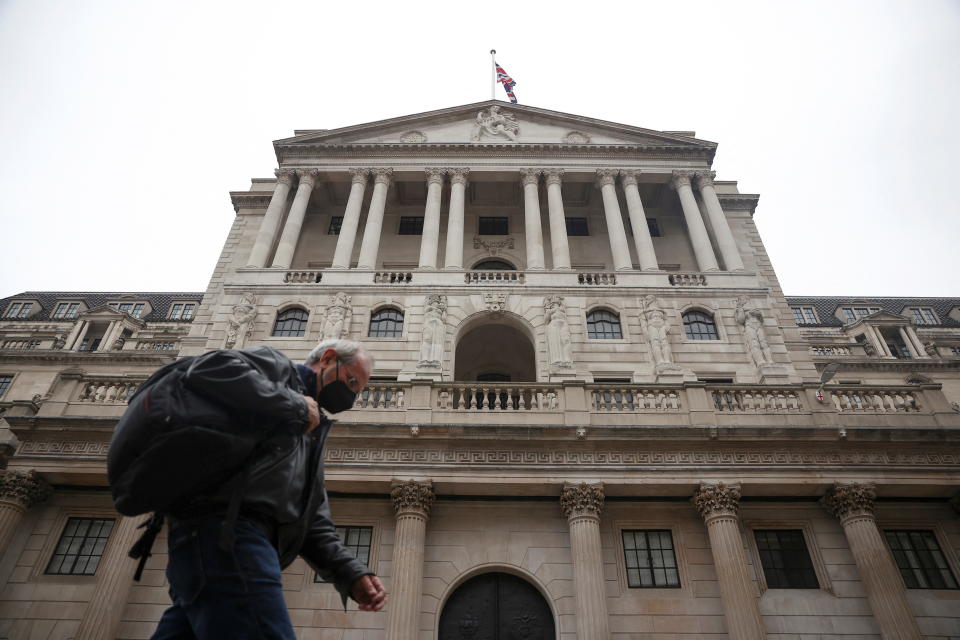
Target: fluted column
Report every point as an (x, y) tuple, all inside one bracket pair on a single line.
[(558, 221), (702, 248), (458, 192), (719, 505), (582, 504), (271, 219), (431, 220), (531, 218), (412, 501), (19, 490), (370, 246), (351, 220), (291, 228), (638, 222), (607, 180), (718, 221), (852, 504), (114, 579)]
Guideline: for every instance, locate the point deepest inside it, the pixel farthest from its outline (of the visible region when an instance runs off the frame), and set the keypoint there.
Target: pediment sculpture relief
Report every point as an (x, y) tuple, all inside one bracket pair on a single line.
[(493, 122)]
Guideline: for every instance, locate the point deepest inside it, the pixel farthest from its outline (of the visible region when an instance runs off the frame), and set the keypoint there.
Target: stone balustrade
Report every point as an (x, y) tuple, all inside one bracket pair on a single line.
[(687, 279), (756, 400), (106, 391), (600, 277), (493, 277), (303, 277), (381, 396), (392, 277), (874, 400), (23, 345), (829, 350), (629, 398), (481, 396), (157, 345)]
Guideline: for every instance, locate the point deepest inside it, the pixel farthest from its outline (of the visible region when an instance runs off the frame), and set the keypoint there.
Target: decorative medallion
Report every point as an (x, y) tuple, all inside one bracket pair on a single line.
[(413, 137), (493, 247), (576, 137)]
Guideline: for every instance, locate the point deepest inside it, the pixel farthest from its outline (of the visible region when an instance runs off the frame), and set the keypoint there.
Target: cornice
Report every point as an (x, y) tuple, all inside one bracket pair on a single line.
[(739, 201), (250, 199), (155, 358)]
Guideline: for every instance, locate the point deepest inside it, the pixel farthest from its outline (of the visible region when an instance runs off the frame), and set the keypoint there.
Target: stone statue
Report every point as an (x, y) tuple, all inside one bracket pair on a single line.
[(241, 321), (495, 123), (119, 342), (756, 338), (559, 352), (337, 320), (59, 341), (658, 330), (434, 331), (931, 349)]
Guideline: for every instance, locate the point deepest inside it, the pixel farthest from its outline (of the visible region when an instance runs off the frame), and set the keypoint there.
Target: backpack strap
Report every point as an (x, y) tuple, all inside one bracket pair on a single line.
[(142, 547)]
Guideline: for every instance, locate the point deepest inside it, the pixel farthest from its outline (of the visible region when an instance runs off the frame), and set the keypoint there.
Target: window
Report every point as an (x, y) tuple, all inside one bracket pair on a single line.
[(650, 559), (335, 223), (357, 539), (19, 310), (923, 315), (291, 323), (577, 227), (493, 265), (699, 326), (5, 384), (80, 547), (386, 323), (135, 309), (852, 314), (494, 226), (653, 227), (66, 310), (785, 559), (182, 310), (804, 315), (411, 226), (920, 560), (603, 325)]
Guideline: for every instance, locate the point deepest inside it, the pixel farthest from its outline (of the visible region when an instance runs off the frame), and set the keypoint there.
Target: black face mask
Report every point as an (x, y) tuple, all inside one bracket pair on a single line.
[(336, 396)]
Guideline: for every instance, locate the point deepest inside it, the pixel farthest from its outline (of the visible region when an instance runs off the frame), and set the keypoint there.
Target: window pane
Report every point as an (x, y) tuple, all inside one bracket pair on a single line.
[(386, 323), (699, 326), (5, 384), (335, 223), (577, 227), (920, 559), (603, 325), (25, 309), (650, 559), (797, 315), (357, 540), (291, 323), (785, 560), (411, 226), (80, 546), (188, 311), (494, 226)]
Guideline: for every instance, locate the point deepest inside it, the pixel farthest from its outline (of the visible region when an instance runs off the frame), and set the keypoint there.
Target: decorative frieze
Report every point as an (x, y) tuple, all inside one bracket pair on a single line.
[(23, 488), (412, 496), (715, 500), (578, 500), (495, 123), (850, 500)]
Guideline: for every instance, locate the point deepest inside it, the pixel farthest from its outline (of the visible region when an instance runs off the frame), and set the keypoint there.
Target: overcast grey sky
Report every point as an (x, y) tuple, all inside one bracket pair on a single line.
[(124, 125)]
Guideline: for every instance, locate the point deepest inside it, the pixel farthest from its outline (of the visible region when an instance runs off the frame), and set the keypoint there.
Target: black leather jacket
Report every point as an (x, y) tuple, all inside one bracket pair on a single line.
[(284, 486)]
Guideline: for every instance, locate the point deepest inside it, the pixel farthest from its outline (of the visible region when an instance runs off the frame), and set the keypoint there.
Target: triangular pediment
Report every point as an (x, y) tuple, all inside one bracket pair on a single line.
[(104, 311), (495, 122)]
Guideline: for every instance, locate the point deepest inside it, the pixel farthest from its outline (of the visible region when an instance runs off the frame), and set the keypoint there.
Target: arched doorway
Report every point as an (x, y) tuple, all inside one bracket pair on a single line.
[(495, 351), (496, 606)]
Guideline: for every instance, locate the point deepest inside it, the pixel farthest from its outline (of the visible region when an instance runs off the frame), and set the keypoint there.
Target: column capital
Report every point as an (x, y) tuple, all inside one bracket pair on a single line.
[(680, 178), (577, 500), (553, 176), (530, 176), (628, 177), (382, 176), (434, 175), (458, 175), (606, 176), (850, 500), (412, 497), (284, 175), (705, 178), (720, 499), (25, 488), (360, 175), (308, 176)]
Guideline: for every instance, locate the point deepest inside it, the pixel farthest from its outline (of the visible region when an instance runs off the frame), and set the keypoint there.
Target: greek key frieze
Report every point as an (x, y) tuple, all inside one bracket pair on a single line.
[(68, 448)]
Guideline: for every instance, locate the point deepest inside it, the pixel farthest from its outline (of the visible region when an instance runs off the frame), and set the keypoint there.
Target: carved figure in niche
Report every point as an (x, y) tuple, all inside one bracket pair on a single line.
[(495, 123), (337, 320), (59, 341), (931, 349), (559, 352), (119, 342), (658, 330), (434, 331), (240, 324), (753, 332)]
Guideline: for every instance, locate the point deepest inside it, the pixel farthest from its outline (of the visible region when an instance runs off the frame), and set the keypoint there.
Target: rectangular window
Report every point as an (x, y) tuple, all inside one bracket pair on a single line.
[(81, 546), (25, 309), (494, 226), (411, 226), (785, 559), (137, 310), (852, 314), (923, 315), (653, 227), (920, 560), (175, 311), (804, 315), (188, 310), (577, 227), (357, 539), (13, 310), (650, 559), (335, 223), (66, 310), (5, 384)]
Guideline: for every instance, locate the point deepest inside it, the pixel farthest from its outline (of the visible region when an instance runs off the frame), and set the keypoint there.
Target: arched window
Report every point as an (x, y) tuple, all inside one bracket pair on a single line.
[(291, 323), (603, 325), (699, 326), (494, 265), (386, 323)]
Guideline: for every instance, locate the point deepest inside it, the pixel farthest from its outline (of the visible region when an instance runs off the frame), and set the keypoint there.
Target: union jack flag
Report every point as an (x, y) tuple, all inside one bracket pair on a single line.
[(507, 82)]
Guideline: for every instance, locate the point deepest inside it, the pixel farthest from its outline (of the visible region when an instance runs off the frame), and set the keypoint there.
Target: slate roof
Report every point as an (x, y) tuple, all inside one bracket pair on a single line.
[(159, 302), (827, 306)]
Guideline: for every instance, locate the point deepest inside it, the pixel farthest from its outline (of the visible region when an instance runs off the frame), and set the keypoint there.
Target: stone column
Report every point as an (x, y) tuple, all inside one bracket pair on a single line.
[(852, 504), (558, 221), (638, 222), (19, 490), (531, 218), (431, 220), (718, 221), (412, 501), (881, 343), (910, 346), (607, 180), (106, 342), (458, 192), (370, 246), (71, 341), (582, 504), (919, 349), (114, 579), (271, 219), (291, 229), (81, 335), (702, 248), (351, 220), (719, 505)]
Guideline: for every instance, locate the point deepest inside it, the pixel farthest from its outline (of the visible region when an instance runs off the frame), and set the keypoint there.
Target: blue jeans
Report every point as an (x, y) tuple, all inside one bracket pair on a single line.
[(221, 595)]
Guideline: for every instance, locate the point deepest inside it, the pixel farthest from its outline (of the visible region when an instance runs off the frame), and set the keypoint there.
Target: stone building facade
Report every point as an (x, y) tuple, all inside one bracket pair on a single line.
[(594, 412)]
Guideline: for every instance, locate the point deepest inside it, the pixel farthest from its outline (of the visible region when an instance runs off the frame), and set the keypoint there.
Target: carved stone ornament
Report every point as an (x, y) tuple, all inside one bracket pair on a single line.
[(553, 176), (25, 488), (576, 137), (720, 499), (606, 176), (493, 122), (240, 324), (412, 496), (493, 247), (435, 176), (705, 178), (559, 342), (495, 302), (582, 499), (413, 137), (285, 175), (530, 176), (434, 331), (360, 175), (336, 321), (850, 500), (308, 176), (629, 177), (382, 176), (657, 328), (754, 335), (680, 178)]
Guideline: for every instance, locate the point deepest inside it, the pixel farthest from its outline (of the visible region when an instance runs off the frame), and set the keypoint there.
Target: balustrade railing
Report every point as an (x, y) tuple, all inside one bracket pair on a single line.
[(498, 397), (493, 277), (600, 277), (20, 344), (688, 279), (630, 398), (381, 396), (756, 400), (303, 277), (99, 391), (393, 277), (829, 350), (156, 345), (875, 400)]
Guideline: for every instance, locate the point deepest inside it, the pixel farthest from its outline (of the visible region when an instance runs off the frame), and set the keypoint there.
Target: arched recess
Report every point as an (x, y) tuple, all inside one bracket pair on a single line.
[(493, 264), (495, 346)]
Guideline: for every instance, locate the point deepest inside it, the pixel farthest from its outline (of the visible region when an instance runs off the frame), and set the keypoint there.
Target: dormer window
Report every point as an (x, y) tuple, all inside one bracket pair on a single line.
[(135, 309), (852, 314), (923, 315), (804, 315), (182, 310), (18, 310), (66, 311)]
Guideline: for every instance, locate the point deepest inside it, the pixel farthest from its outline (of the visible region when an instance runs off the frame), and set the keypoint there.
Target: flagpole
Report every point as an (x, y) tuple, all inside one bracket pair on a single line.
[(493, 76)]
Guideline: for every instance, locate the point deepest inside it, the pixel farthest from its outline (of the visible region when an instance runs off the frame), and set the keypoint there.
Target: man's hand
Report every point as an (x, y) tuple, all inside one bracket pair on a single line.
[(369, 593), (313, 414)]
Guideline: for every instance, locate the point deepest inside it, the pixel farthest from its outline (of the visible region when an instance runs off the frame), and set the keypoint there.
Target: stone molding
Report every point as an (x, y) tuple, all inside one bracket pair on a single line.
[(360, 176), (250, 199), (705, 178), (582, 500), (716, 500), (25, 488), (553, 176), (606, 176), (285, 176), (628, 177), (530, 176), (412, 497), (850, 500), (680, 178), (435, 176)]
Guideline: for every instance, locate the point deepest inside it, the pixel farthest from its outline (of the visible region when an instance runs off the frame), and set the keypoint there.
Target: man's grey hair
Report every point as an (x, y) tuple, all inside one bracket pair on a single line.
[(347, 351)]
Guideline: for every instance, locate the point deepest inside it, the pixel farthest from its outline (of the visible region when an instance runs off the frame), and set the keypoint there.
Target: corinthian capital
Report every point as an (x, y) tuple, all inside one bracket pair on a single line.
[(705, 178), (680, 179), (458, 175), (713, 500), (581, 499), (359, 176), (435, 176), (412, 497), (606, 176), (284, 175), (628, 177), (308, 176), (530, 176), (382, 176), (850, 500), (25, 488), (553, 176)]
